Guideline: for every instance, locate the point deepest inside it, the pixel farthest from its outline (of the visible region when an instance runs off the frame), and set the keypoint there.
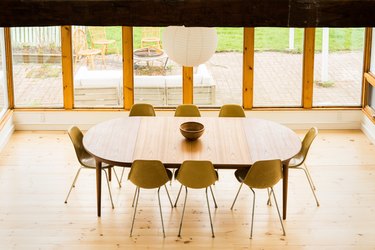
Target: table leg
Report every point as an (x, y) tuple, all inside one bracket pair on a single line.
[(285, 187), (98, 186)]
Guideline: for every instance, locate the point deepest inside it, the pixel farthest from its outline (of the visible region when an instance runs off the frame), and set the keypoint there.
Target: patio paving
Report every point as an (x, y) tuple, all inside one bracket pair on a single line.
[(277, 80)]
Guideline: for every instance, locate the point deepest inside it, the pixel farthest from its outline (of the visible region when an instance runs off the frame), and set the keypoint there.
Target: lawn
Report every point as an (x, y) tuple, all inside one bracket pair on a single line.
[(268, 39)]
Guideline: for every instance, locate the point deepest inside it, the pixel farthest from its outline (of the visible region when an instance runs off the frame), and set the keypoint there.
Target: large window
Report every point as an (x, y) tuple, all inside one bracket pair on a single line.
[(37, 71), (97, 66), (278, 67), (3, 82), (338, 66)]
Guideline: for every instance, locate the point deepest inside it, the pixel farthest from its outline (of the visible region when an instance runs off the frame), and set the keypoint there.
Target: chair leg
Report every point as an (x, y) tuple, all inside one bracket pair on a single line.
[(278, 211), (213, 197), (183, 212), (122, 174), (161, 214), (73, 184), (239, 189), (178, 196), (174, 170), (135, 195), (308, 172), (269, 203), (135, 210), (252, 215), (109, 188), (118, 180), (311, 186), (169, 197), (209, 213)]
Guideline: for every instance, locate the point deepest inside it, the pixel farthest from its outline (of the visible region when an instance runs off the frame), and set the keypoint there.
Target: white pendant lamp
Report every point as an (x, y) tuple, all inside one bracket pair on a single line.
[(189, 46)]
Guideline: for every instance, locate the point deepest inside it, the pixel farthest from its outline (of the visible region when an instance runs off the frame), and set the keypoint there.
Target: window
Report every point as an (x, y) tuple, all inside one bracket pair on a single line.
[(37, 67), (97, 66), (338, 66), (278, 61), (3, 82)]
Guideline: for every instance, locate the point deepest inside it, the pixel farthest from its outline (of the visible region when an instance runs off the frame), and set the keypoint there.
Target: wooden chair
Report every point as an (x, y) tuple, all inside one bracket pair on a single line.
[(149, 174), (81, 49), (150, 37), (99, 39)]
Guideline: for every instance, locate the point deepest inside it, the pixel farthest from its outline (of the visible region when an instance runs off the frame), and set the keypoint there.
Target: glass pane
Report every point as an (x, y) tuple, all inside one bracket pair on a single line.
[(97, 66), (219, 81), (372, 64), (338, 66), (3, 82), (157, 80), (278, 61), (37, 73)]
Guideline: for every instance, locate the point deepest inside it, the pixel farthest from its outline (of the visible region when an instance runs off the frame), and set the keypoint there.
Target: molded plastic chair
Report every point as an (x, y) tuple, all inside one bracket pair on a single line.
[(196, 174), (149, 174), (86, 160), (142, 109), (186, 110), (261, 175), (298, 161), (231, 110)]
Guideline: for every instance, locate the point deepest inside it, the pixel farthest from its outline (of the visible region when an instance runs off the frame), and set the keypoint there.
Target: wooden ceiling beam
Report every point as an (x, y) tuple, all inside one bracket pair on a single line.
[(210, 13)]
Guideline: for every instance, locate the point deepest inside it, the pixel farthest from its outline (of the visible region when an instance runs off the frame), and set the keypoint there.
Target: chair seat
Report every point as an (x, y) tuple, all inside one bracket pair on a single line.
[(89, 162), (241, 174)]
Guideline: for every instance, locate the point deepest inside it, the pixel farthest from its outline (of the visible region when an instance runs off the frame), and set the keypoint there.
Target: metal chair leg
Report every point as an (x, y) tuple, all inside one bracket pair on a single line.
[(122, 174), (269, 203), (174, 170), (169, 197), (209, 213), (278, 211), (118, 180), (213, 197), (235, 199), (183, 212), (311, 186), (308, 172), (135, 194), (73, 184), (252, 215), (161, 214), (109, 188), (135, 210), (178, 196)]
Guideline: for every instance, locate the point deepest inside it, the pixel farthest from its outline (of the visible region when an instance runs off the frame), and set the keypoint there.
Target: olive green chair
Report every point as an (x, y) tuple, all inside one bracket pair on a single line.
[(187, 110), (142, 109), (298, 161), (197, 175), (86, 160), (149, 174), (231, 110), (261, 175)]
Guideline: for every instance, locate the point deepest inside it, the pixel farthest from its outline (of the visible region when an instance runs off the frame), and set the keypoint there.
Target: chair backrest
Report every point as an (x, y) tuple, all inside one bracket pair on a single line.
[(231, 110), (97, 33), (187, 110), (150, 36), (306, 143), (197, 174), (142, 109), (79, 41), (148, 174), (76, 137), (264, 174)]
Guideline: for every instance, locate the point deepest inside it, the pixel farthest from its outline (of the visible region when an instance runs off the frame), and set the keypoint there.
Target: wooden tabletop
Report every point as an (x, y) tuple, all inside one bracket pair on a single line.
[(227, 142)]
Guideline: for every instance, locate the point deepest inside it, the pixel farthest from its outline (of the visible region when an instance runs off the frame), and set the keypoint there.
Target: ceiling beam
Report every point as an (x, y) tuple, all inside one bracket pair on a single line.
[(210, 13)]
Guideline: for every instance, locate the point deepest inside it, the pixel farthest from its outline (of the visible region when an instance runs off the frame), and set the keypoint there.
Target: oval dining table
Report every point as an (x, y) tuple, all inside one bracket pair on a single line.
[(229, 143)]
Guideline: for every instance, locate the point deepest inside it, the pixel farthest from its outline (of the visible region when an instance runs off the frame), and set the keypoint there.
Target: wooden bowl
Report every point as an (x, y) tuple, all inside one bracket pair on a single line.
[(191, 130)]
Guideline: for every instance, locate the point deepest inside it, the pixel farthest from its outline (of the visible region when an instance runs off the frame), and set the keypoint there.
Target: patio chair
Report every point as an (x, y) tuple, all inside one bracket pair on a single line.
[(99, 39), (81, 48), (150, 37)]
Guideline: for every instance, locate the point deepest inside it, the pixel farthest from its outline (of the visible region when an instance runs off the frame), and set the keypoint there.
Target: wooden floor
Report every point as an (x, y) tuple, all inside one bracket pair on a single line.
[(37, 168)]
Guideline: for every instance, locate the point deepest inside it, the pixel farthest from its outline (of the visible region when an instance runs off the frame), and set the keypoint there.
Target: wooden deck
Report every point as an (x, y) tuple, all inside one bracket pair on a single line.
[(37, 168)]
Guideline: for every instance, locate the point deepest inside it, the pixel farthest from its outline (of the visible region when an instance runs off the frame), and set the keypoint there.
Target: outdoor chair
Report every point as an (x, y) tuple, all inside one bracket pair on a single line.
[(86, 160), (99, 39), (81, 49), (150, 37), (261, 175), (149, 174)]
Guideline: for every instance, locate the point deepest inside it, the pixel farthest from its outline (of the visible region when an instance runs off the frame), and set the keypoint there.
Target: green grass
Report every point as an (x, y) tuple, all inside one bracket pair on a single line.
[(267, 39)]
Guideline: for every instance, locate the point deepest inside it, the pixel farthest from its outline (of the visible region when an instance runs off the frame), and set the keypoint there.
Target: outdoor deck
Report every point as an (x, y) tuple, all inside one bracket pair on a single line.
[(277, 80)]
